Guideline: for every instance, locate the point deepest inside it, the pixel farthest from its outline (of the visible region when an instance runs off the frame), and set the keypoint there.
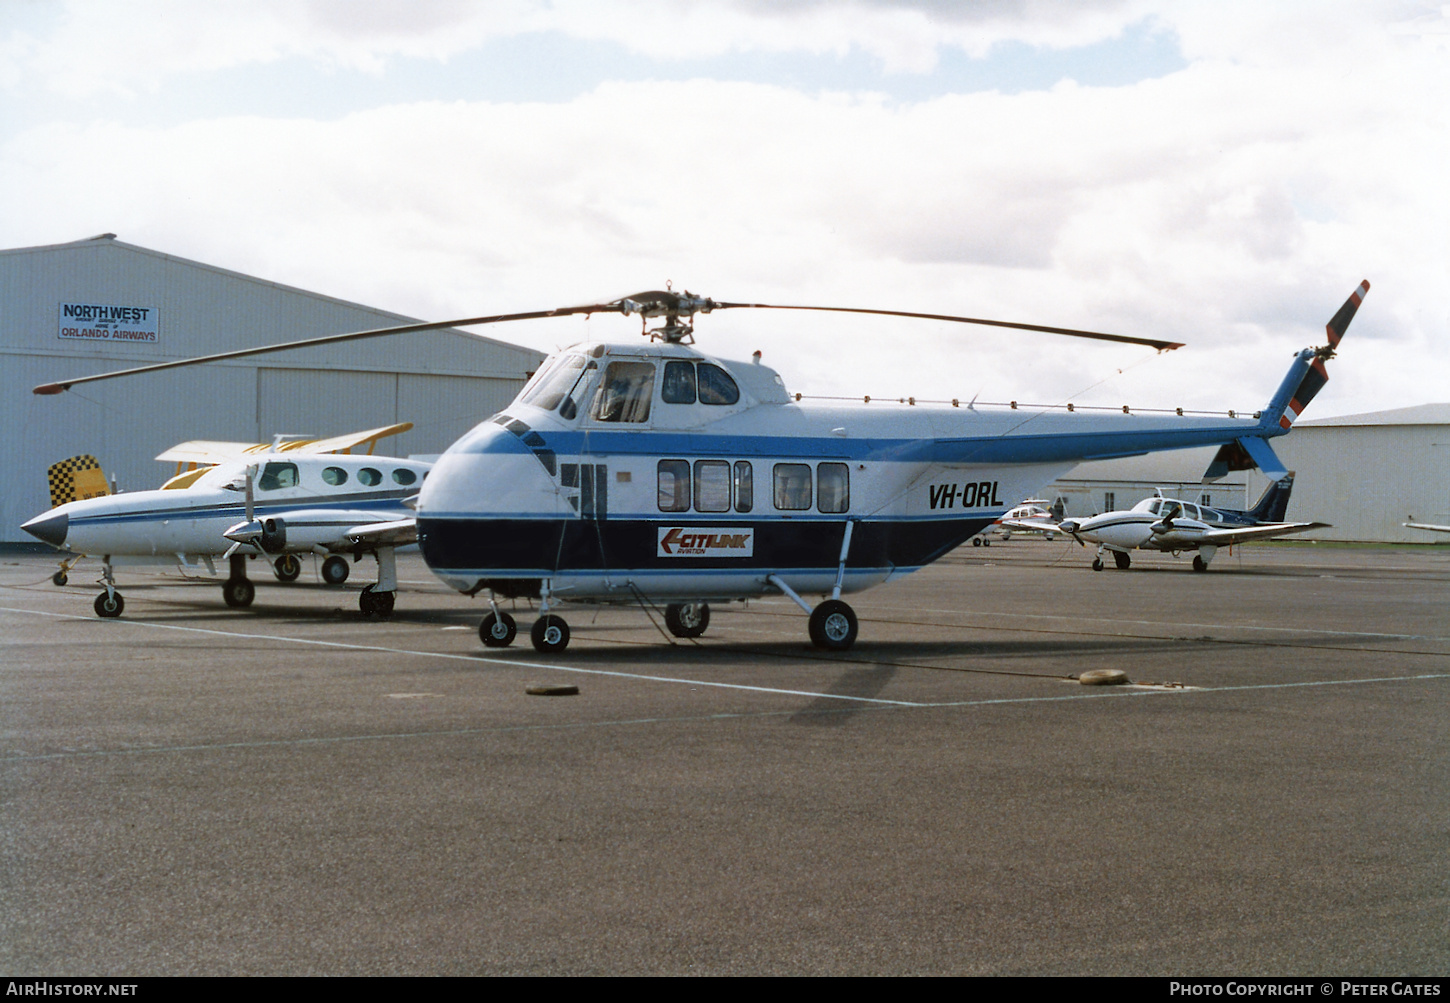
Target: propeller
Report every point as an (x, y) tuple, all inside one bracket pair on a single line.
[(677, 309), (251, 530)]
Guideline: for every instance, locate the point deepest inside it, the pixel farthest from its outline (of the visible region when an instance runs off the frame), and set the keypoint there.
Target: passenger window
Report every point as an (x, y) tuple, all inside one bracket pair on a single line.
[(833, 487), (679, 383), (717, 386), (624, 395), (712, 486), (336, 476), (674, 485), (370, 477), (404, 476), (744, 487), (792, 486), (277, 475)]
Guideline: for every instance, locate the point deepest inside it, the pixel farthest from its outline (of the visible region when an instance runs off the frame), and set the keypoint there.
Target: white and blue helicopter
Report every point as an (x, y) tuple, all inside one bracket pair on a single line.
[(650, 472)]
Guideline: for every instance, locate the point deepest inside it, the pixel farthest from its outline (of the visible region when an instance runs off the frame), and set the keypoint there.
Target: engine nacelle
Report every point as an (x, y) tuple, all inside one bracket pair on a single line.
[(274, 535)]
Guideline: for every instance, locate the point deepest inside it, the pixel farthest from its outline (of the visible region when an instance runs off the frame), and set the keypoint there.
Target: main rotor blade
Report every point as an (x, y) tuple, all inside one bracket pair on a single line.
[(328, 339), (1162, 346)]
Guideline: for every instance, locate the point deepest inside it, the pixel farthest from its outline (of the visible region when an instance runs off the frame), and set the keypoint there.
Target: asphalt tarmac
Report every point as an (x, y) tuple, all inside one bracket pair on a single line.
[(292, 789)]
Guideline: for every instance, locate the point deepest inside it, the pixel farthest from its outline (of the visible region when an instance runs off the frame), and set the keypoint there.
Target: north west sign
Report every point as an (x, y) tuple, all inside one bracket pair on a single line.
[(109, 322)]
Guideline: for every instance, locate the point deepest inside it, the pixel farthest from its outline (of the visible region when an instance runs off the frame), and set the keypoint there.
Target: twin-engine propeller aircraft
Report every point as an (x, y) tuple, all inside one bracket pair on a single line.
[(1174, 526), (1032, 518), (652, 472), (239, 500)]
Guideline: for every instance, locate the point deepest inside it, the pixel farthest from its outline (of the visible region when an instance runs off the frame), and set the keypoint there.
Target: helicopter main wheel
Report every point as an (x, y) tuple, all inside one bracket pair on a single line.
[(550, 634), (287, 568), (687, 619), (59, 578), (833, 625), (335, 570), (1122, 560), (370, 600), (1199, 564), (1097, 564), (498, 631), (109, 604), (238, 592)]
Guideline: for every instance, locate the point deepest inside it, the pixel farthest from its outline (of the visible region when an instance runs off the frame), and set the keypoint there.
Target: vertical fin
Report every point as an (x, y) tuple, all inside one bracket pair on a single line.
[(76, 478)]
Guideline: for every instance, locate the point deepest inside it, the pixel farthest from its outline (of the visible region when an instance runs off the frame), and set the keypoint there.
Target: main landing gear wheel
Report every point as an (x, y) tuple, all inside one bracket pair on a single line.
[(687, 619), (371, 601), (59, 578), (1122, 560), (1199, 564), (335, 570), (109, 604), (498, 630), (1097, 564), (833, 625), (287, 568), (976, 541), (238, 592), (550, 634)]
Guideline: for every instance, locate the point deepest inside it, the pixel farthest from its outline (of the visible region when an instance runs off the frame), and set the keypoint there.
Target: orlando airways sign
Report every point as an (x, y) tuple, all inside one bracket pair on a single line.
[(109, 322)]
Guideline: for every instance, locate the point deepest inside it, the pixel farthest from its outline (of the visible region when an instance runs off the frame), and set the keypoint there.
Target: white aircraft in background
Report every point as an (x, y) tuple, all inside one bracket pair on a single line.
[(1171, 525), (240, 501), (1032, 516), (1428, 526)]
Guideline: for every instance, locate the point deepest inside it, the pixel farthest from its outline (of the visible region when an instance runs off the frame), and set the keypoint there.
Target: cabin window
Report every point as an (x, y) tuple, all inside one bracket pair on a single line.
[(792, 486), (369, 476), (404, 476), (716, 385), (1108, 500), (712, 486), (833, 487), (277, 475), (744, 486), (674, 485), (679, 383), (336, 476), (624, 394), (555, 383)]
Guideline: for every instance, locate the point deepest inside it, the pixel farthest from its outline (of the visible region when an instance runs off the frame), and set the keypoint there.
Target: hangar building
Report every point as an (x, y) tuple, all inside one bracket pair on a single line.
[(69, 310)]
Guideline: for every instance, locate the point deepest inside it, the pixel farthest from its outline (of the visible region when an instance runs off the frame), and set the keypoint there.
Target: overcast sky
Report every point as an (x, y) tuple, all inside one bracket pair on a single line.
[(1222, 174)]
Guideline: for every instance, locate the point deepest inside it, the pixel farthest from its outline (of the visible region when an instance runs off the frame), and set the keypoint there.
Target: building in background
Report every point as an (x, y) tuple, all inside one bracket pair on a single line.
[(69, 310)]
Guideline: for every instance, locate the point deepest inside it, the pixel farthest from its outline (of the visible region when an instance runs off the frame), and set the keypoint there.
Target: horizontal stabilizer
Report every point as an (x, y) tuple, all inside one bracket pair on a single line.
[(1263, 456)]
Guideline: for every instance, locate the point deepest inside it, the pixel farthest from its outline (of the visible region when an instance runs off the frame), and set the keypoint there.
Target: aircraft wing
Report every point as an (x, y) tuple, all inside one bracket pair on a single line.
[(1426, 525), (1030, 525), (206, 452), (397, 533), (1265, 531)]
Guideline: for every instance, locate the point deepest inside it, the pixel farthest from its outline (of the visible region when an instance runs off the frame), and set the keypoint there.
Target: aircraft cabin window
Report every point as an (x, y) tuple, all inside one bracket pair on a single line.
[(370, 477), (554, 384), (833, 487), (1153, 508), (624, 394), (674, 485), (717, 386), (336, 476), (404, 476), (679, 383), (792, 486), (712, 486), (277, 475), (744, 486)]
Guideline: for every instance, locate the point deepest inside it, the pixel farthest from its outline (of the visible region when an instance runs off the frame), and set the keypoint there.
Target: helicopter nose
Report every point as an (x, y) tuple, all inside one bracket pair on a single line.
[(49, 528)]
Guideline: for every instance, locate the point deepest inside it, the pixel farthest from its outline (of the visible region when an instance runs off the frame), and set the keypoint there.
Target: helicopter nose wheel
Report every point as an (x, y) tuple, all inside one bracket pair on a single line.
[(371, 601), (687, 619), (833, 625), (497, 630), (550, 634)]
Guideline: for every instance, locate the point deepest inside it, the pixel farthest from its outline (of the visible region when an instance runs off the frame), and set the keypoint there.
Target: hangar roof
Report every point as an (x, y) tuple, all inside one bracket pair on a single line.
[(1420, 414)]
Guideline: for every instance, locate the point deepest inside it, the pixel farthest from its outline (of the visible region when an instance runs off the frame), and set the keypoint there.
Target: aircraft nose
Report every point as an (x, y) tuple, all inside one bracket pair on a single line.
[(49, 528)]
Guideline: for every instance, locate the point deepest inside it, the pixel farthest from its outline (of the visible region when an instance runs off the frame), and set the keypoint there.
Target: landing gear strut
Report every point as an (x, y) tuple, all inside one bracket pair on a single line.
[(377, 599)]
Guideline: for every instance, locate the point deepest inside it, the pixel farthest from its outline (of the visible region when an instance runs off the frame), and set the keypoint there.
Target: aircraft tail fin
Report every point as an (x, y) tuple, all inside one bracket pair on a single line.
[(1307, 376), (76, 478), (1274, 502)]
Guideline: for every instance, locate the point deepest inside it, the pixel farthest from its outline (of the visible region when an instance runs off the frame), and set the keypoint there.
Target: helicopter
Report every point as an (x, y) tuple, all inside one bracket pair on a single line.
[(653, 473)]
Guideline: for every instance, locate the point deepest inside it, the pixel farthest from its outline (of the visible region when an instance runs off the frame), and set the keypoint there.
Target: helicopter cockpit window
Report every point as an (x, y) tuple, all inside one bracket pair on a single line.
[(792, 486), (716, 385), (674, 485), (679, 383), (336, 476), (833, 487), (744, 486), (624, 394), (370, 477), (712, 486), (555, 384), (277, 475)]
